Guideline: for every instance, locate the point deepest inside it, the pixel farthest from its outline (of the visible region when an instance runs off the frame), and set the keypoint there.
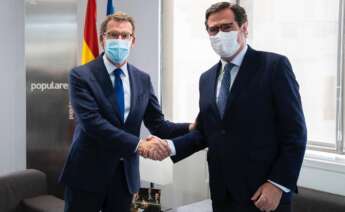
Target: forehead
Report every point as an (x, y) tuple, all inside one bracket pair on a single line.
[(122, 26), (220, 17)]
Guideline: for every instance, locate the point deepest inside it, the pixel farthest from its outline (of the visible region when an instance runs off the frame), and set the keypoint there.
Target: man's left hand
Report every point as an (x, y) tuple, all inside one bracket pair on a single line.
[(267, 197)]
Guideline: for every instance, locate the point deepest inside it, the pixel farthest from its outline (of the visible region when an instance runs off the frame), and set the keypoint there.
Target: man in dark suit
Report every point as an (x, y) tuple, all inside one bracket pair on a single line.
[(250, 118), (111, 98)]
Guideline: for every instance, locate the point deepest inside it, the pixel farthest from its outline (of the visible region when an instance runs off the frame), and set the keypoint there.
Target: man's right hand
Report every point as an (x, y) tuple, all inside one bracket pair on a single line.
[(154, 148), (193, 126)]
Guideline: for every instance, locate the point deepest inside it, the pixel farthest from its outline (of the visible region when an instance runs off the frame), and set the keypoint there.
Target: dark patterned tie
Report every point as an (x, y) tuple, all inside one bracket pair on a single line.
[(119, 93), (224, 89)]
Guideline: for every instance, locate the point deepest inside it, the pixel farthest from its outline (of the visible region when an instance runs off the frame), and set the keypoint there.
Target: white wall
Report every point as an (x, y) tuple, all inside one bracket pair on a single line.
[(12, 87), (324, 172), (190, 176)]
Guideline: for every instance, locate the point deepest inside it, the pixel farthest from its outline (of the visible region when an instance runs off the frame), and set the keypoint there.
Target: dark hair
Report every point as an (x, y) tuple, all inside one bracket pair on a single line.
[(240, 13), (118, 16)]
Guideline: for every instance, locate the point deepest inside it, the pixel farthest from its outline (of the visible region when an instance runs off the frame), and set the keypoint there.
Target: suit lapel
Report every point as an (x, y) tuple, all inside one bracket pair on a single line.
[(245, 74), (102, 77), (213, 77), (134, 90)]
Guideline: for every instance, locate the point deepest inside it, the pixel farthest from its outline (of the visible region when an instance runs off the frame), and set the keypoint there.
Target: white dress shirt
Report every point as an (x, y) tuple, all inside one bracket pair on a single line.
[(237, 61)]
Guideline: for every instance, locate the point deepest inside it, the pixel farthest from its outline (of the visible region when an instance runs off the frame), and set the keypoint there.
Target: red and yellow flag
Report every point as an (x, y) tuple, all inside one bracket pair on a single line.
[(90, 40)]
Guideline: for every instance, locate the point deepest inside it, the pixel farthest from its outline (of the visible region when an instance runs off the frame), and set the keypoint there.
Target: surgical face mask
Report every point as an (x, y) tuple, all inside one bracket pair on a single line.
[(117, 50), (225, 43)]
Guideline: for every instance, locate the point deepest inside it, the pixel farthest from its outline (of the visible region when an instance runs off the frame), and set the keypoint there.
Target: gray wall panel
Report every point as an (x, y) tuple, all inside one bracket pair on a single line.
[(12, 87), (51, 47)]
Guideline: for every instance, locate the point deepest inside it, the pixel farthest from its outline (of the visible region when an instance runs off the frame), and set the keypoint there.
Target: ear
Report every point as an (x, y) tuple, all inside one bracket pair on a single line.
[(102, 45), (102, 42), (133, 42), (244, 28)]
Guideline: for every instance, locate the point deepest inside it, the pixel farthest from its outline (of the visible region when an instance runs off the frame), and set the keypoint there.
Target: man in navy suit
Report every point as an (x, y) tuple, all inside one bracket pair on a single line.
[(250, 118), (111, 98)]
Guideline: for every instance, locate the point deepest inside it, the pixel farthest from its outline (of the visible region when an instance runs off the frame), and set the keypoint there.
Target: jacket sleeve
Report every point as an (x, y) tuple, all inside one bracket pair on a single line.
[(88, 114), (190, 143), (154, 119), (291, 127)]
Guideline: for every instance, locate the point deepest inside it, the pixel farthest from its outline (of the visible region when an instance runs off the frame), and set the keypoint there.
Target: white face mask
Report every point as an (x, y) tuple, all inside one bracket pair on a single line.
[(225, 43)]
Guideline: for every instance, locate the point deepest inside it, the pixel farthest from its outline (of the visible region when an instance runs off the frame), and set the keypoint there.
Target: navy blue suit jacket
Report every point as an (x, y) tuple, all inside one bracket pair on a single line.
[(262, 135), (100, 138)]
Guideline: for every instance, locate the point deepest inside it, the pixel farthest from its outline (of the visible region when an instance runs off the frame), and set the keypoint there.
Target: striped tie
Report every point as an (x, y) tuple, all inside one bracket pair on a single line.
[(224, 89)]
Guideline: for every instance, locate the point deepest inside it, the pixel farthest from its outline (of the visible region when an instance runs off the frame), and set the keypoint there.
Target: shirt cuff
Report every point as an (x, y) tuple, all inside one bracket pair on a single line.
[(172, 147), (286, 190), (136, 149)]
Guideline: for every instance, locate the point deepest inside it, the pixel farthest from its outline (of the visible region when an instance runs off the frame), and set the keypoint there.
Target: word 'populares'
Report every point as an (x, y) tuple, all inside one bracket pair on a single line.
[(42, 86)]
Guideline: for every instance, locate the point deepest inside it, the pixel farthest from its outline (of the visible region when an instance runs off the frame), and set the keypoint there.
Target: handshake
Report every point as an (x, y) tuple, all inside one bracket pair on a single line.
[(154, 148)]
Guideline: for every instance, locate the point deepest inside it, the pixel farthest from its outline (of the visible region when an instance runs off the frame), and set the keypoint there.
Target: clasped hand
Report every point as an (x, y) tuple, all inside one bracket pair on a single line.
[(154, 148)]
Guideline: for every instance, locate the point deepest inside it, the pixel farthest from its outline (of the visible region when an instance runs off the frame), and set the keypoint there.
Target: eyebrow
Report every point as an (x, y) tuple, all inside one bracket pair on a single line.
[(217, 25), (115, 31)]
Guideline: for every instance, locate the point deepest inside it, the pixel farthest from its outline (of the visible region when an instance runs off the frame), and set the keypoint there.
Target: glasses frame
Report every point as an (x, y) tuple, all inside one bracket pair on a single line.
[(119, 35)]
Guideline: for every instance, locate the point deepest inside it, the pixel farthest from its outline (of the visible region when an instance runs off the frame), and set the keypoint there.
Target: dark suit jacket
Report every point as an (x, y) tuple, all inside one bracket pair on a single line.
[(262, 135), (100, 138)]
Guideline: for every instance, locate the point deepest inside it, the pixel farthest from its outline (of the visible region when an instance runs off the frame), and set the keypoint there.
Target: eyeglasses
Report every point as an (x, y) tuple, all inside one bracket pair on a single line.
[(222, 27), (118, 35)]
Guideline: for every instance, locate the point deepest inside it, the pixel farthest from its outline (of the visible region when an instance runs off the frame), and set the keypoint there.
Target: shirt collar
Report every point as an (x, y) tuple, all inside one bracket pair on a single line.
[(111, 67), (237, 60)]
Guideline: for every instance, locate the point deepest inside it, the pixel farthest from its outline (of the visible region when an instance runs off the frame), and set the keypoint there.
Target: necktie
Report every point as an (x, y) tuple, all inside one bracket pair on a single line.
[(119, 93), (224, 89)]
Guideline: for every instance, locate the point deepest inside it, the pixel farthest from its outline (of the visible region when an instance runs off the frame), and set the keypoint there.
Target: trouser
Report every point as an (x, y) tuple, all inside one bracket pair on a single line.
[(115, 199), (229, 205)]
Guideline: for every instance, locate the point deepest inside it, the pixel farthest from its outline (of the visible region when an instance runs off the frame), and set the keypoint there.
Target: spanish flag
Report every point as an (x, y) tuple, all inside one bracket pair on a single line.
[(90, 40)]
